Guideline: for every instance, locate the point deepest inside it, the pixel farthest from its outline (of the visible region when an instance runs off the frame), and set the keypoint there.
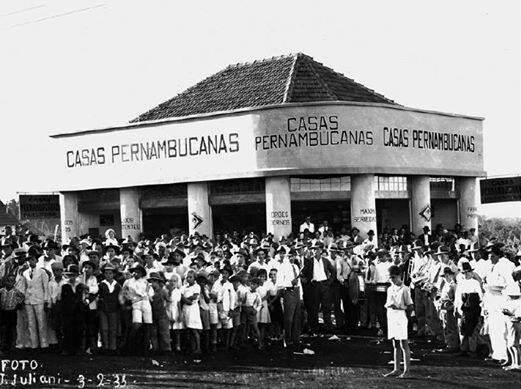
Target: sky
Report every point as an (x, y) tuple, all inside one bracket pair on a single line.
[(72, 65)]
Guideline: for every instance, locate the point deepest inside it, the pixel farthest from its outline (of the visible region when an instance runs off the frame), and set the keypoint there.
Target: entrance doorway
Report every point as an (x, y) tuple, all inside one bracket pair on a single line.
[(157, 221), (239, 217), (337, 214)]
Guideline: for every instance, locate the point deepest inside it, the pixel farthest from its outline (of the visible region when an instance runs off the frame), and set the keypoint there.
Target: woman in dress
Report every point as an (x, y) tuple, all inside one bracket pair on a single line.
[(192, 316)]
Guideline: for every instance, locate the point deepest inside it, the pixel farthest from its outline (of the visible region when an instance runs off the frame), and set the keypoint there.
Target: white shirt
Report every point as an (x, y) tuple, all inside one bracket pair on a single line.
[(319, 273), (500, 274), (259, 266), (482, 267), (92, 284), (138, 290), (381, 272), (466, 286), (42, 263), (286, 274), (305, 226)]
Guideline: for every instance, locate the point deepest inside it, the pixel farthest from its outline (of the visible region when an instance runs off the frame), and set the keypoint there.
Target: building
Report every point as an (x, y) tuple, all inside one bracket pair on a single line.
[(260, 146)]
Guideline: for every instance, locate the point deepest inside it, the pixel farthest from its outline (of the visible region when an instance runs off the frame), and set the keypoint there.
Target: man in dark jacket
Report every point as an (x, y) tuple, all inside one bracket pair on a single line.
[(317, 274)]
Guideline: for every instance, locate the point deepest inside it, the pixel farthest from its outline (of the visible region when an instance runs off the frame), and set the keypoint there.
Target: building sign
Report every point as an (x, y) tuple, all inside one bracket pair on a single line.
[(497, 190), (196, 220), (39, 207), (338, 138), (426, 213)]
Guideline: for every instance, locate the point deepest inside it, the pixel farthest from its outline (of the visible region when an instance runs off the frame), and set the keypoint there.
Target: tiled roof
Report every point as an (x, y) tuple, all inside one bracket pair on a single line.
[(6, 219), (287, 79)]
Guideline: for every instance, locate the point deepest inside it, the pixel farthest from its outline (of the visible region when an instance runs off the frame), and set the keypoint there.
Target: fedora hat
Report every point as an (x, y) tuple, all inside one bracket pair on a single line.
[(72, 270), (465, 267), (157, 276), (109, 266), (178, 250)]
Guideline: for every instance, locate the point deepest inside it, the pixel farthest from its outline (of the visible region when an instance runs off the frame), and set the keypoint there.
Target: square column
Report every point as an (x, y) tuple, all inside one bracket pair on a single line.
[(131, 215), (69, 215), (420, 203), (363, 203), (468, 203), (278, 206), (199, 209)]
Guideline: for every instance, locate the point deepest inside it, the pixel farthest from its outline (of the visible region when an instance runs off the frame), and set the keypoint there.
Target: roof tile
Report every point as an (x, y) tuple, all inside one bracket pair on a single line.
[(277, 80)]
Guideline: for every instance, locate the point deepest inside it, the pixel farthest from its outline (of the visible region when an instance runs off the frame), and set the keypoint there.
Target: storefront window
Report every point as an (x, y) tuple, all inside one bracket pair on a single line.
[(329, 184), (246, 185), (442, 183)]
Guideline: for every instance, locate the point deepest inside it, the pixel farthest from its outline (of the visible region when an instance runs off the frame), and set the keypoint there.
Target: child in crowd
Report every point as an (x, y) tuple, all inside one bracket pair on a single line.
[(138, 291), (109, 309), (263, 316), (234, 310), (215, 295), (90, 298), (192, 316), (204, 307), (160, 335), (11, 299), (251, 307), (398, 303), (242, 290), (176, 317), (228, 298), (512, 312)]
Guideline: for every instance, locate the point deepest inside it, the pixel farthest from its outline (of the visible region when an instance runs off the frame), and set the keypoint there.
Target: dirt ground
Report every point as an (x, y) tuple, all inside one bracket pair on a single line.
[(356, 362)]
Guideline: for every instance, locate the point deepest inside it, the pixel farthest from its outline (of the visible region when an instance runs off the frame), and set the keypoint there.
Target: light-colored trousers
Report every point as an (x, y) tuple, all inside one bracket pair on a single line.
[(36, 320)]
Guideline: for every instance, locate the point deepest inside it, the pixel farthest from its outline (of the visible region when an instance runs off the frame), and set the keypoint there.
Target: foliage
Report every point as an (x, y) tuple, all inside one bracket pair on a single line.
[(506, 230)]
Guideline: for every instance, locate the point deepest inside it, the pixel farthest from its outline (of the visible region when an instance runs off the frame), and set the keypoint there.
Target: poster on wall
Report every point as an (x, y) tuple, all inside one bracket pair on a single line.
[(39, 207)]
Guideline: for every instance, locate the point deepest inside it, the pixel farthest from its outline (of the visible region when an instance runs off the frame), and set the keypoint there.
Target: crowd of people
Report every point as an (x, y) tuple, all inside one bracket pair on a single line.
[(192, 294)]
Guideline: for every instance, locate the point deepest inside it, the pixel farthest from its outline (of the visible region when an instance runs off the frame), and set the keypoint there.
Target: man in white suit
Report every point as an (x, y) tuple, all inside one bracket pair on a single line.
[(37, 297)]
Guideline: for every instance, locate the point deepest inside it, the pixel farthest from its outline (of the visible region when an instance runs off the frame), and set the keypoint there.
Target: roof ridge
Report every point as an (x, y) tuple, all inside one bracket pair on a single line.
[(273, 58), (291, 78), (324, 84), (355, 82)]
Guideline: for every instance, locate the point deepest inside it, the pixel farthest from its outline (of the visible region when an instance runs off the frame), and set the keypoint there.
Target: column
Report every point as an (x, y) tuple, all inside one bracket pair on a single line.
[(420, 203), (199, 209), (278, 206), (69, 216), (468, 217), (363, 203), (131, 215)]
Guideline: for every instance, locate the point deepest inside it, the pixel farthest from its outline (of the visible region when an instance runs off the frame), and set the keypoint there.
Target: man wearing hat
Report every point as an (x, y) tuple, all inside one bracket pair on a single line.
[(9, 262), (426, 237), (317, 274), (349, 288), (496, 280), (446, 308), (307, 225), (336, 286), (355, 236), (288, 280), (370, 242), (35, 287), (379, 277), (71, 298), (467, 303), (432, 286), (260, 263), (49, 256)]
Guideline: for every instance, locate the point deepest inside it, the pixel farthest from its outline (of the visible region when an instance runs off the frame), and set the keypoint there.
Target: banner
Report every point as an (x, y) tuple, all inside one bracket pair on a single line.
[(39, 207), (497, 190), (307, 139)]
